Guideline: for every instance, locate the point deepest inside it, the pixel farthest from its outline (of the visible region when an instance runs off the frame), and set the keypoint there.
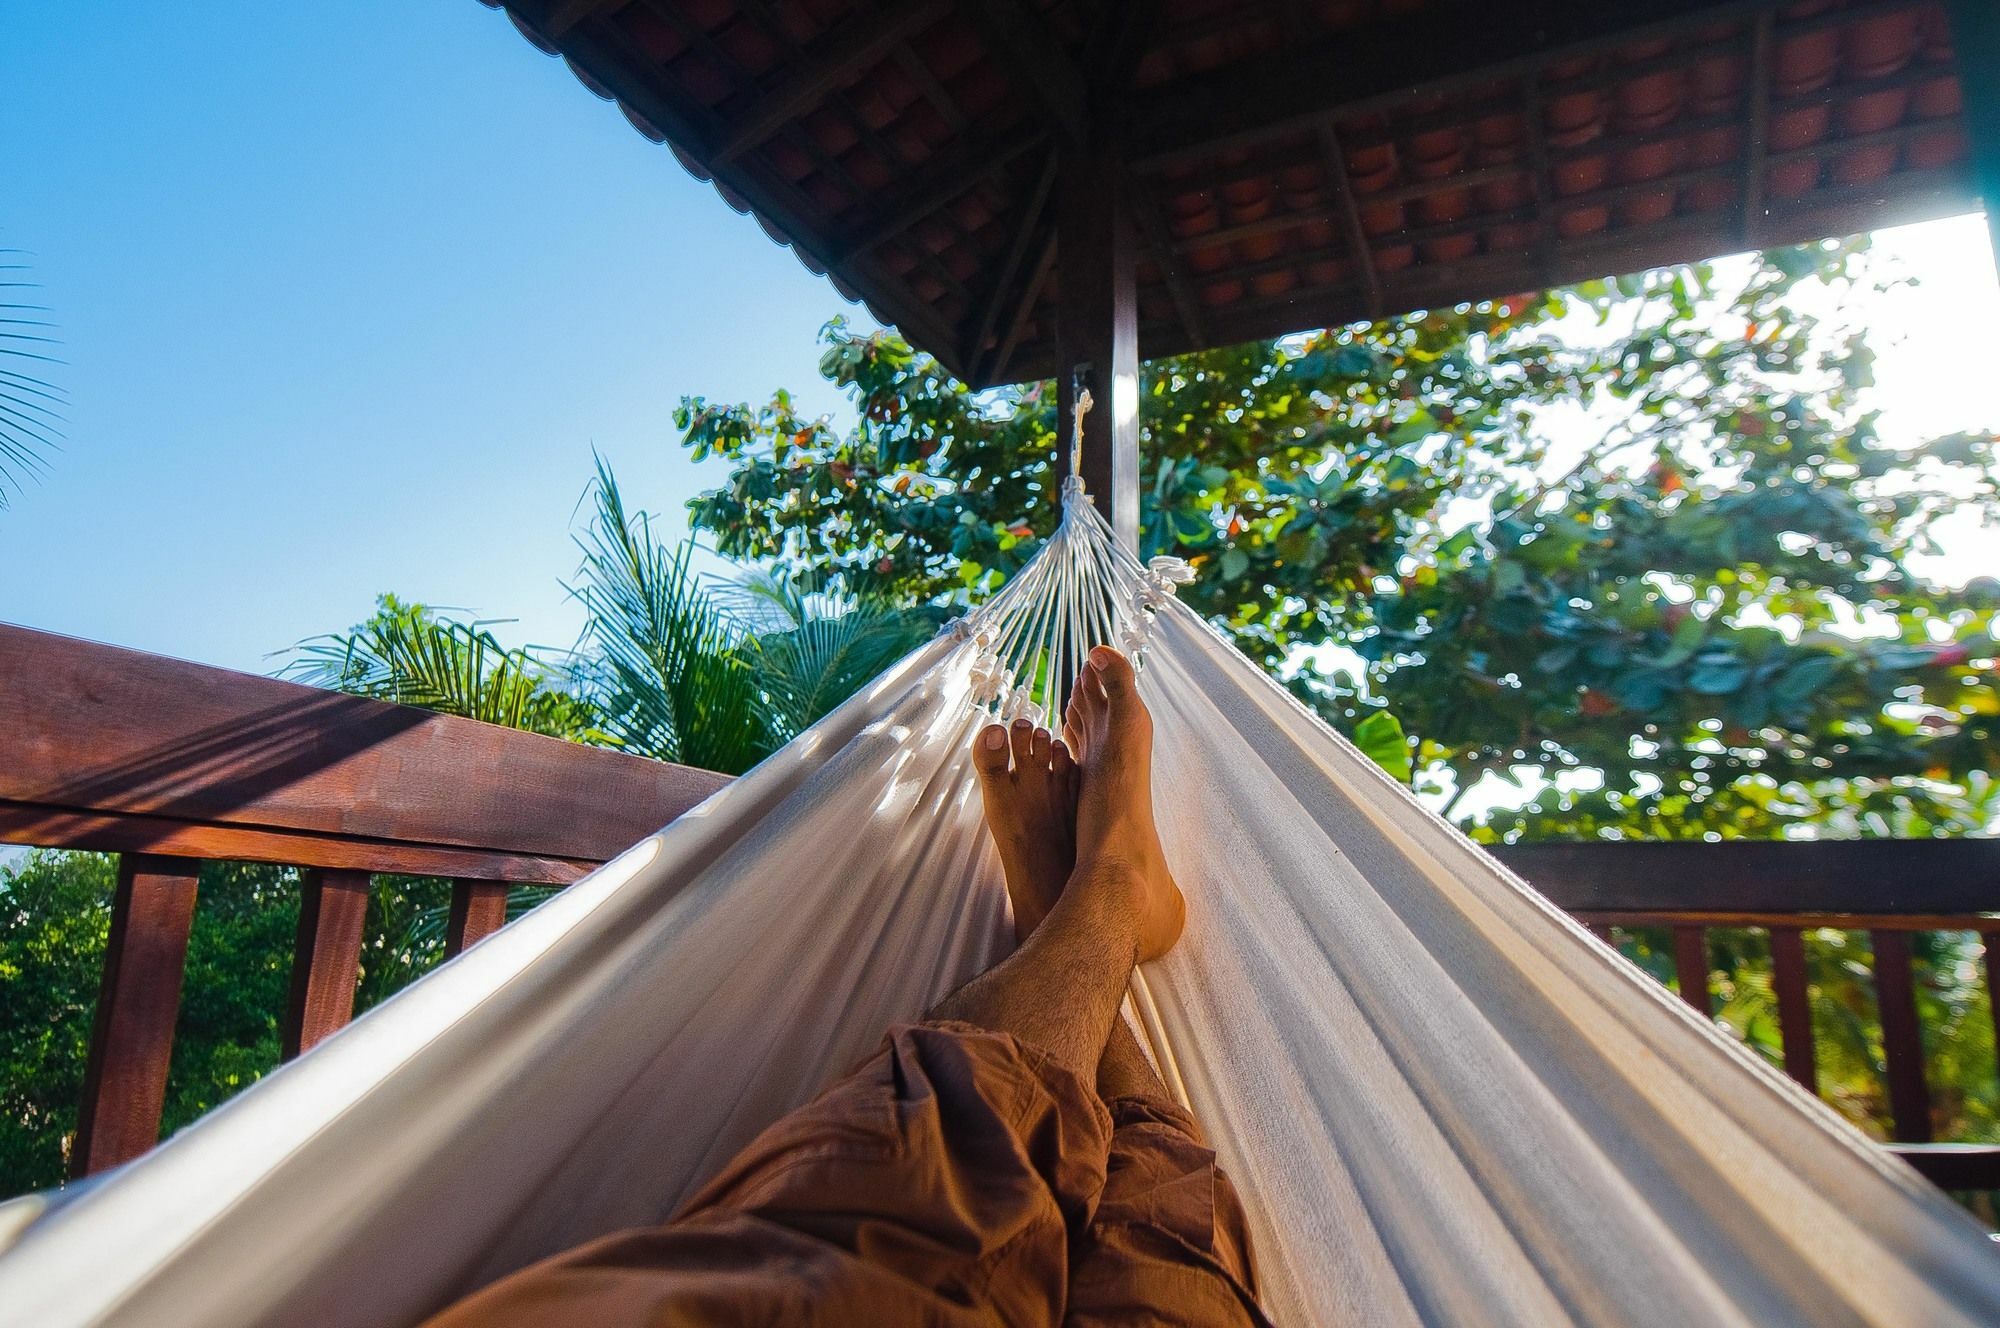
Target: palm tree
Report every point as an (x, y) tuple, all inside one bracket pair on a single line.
[(671, 665)]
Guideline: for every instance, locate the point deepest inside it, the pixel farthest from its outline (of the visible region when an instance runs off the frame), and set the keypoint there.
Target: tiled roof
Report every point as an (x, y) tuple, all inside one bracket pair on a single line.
[(1295, 163)]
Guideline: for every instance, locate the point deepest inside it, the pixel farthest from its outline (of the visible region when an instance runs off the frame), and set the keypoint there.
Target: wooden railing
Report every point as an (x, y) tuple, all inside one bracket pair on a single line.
[(168, 763), (1886, 888)]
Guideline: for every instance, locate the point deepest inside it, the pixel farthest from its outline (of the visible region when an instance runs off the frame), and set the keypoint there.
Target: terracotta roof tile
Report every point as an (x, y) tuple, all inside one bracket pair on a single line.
[(917, 165)]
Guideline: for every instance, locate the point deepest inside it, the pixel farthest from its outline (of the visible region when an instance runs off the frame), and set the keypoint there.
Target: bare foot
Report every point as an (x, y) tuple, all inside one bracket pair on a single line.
[(1031, 810), (1111, 733)]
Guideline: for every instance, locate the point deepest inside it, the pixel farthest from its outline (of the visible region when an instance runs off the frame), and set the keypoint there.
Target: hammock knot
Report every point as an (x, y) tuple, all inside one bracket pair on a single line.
[(1021, 705), (989, 678)]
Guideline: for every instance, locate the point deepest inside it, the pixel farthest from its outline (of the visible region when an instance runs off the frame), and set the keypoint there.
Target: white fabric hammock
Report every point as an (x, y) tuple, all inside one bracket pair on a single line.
[(1442, 1100)]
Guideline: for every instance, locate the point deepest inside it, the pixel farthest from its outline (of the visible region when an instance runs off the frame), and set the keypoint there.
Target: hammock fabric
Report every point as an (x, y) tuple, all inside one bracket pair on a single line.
[(1442, 1100)]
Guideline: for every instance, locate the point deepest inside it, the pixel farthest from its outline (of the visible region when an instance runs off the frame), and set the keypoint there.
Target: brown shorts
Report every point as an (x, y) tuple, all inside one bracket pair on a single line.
[(957, 1177)]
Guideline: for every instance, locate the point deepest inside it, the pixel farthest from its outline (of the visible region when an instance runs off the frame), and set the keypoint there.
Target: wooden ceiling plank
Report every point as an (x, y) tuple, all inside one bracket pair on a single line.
[(859, 44)]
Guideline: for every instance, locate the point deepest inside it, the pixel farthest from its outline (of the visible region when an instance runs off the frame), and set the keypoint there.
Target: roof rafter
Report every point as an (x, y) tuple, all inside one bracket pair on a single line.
[(940, 181), (693, 129), (829, 63)]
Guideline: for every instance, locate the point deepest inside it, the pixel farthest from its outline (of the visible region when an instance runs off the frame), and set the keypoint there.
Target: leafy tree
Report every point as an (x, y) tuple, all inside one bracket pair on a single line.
[(1674, 607), (1703, 623)]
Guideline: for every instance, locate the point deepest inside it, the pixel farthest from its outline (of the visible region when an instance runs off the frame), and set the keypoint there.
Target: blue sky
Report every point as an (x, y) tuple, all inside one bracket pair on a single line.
[(348, 292)]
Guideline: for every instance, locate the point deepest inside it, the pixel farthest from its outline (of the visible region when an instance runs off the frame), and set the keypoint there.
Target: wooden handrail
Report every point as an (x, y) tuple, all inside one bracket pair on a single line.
[(167, 762), (116, 750)]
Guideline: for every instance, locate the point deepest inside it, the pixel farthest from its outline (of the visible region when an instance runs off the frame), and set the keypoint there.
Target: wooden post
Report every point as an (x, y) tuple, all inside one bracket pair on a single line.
[(1097, 322), (1691, 967), (478, 909), (1975, 39), (132, 1042), (1902, 1038), (1795, 1030), (327, 959)]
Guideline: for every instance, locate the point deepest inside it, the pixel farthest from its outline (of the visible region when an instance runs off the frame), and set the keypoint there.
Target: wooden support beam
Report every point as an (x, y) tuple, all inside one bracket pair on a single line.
[(1097, 327), (1173, 273), (1795, 1029), (478, 909), (1975, 38), (1334, 162), (1026, 224), (1691, 968), (1018, 41), (326, 962), (1038, 275), (1902, 1037), (858, 44), (132, 1039)]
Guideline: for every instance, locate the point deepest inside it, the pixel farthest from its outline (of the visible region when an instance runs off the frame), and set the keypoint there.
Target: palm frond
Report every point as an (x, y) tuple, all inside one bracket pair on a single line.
[(812, 650), (671, 682), (31, 417), (406, 653)]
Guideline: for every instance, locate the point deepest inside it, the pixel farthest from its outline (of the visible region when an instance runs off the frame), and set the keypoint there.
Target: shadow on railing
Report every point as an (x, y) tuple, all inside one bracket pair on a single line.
[(169, 763)]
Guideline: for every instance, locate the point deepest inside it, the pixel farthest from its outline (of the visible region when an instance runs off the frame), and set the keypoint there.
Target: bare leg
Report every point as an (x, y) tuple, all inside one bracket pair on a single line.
[(1062, 988), (1124, 1071)]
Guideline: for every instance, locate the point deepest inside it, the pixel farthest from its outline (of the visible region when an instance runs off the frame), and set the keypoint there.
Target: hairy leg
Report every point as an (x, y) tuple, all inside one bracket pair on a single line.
[(1030, 784), (1061, 989)]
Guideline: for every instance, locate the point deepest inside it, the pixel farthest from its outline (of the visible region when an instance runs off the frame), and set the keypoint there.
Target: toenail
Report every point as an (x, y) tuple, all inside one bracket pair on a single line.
[(996, 738), (1022, 725)]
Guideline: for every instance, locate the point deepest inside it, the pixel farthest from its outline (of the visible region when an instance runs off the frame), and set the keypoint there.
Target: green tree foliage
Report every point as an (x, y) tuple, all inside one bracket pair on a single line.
[(1700, 622), (55, 919), (1673, 605)]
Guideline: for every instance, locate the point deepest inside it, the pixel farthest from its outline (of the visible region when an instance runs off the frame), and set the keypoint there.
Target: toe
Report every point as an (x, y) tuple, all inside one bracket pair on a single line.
[(989, 752), (1038, 749), (1060, 761), (1113, 671), (1022, 737)]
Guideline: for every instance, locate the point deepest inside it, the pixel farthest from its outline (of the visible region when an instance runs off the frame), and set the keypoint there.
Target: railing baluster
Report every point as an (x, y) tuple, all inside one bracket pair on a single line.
[(478, 909), (132, 1040), (1902, 1037), (1788, 977), (326, 963), (1990, 942), (1691, 967)]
